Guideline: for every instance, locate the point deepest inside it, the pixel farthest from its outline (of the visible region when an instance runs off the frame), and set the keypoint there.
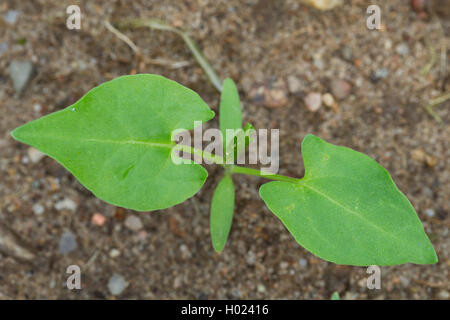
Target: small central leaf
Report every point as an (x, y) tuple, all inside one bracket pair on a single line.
[(116, 140), (222, 208), (348, 210)]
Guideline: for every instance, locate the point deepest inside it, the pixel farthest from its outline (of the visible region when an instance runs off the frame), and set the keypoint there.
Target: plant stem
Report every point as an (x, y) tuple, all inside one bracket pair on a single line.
[(205, 155), (231, 168), (434, 103), (159, 25), (255, 172)]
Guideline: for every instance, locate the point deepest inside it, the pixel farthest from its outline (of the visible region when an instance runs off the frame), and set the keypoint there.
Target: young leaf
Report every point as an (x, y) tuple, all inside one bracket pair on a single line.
[(348, 210), (335, 296), (116, 140), (221, 216), (248, 131), (242, 139), (230, 114)]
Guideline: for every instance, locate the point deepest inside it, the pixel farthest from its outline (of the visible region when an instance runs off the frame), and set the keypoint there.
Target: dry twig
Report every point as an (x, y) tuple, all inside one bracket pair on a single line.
[(137, 51)]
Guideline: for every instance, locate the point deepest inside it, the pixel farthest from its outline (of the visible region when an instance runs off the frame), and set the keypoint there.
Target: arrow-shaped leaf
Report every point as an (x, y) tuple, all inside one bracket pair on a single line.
[(116, 141), (348, 210)]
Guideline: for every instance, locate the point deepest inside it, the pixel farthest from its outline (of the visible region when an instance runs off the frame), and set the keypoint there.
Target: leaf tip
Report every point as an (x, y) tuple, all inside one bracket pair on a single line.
[(431, 256), (218, 248), (17, 133), (228, 81), (309, 138)]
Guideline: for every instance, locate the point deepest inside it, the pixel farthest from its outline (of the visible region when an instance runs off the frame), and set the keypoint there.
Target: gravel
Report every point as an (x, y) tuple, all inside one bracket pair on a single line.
[(133, 223), (67, 243), (35, 155), (20, 73), (313, 101), (38, 209), (116, 284), (340, 88), (11, 16), (66, 204)]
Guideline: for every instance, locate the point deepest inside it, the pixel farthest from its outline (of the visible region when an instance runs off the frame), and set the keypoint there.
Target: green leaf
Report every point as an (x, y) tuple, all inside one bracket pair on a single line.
[(221, 216), (116, 140), (348, 210), (248, 131), (230, 113), (335, 296)]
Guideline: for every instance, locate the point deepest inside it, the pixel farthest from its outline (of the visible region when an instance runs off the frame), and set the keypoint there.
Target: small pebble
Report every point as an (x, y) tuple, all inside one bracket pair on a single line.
[(37, 107), (185, 253), (35, 155), (379, 74), (420, 156), (66, 204), (295, 85), (444, 295), (329, 101), (177, 282), (318, 63), (402, 49), (340, 88), (3, 47), (67, 243), (313, 101), (114, 253), (404, 281), (303, 262), (251, 259), (133, 223), (142, 235), (272, 95), (324, 4), (347, 54), (387, 44), (116, 284), (261, 288), (38, 209), (419, 6), (430, 212), (11, 16), (20, 73), (98, 219)]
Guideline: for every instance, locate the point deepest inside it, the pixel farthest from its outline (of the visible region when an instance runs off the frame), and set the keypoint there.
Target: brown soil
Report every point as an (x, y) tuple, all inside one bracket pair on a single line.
[(256, 43)]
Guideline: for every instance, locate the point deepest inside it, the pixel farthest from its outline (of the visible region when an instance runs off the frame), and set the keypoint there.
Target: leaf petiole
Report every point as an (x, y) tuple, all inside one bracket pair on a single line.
[(255, 172), (231, 168)]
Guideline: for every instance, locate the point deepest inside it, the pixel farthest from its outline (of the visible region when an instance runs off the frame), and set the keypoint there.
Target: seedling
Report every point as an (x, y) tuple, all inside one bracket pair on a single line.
[(116, 140)]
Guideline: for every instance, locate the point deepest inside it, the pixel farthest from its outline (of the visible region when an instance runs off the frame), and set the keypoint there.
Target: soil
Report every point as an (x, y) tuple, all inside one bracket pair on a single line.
[(381, 112)]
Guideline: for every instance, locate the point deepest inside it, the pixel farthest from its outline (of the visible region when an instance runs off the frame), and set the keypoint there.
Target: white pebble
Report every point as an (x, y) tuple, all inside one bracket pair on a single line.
[(67, 204), (35, 155), (261, 288), (114, 253), (116, 284), (429, 212), (313, 101), (303, 262), (133, 223), (38, 209)]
